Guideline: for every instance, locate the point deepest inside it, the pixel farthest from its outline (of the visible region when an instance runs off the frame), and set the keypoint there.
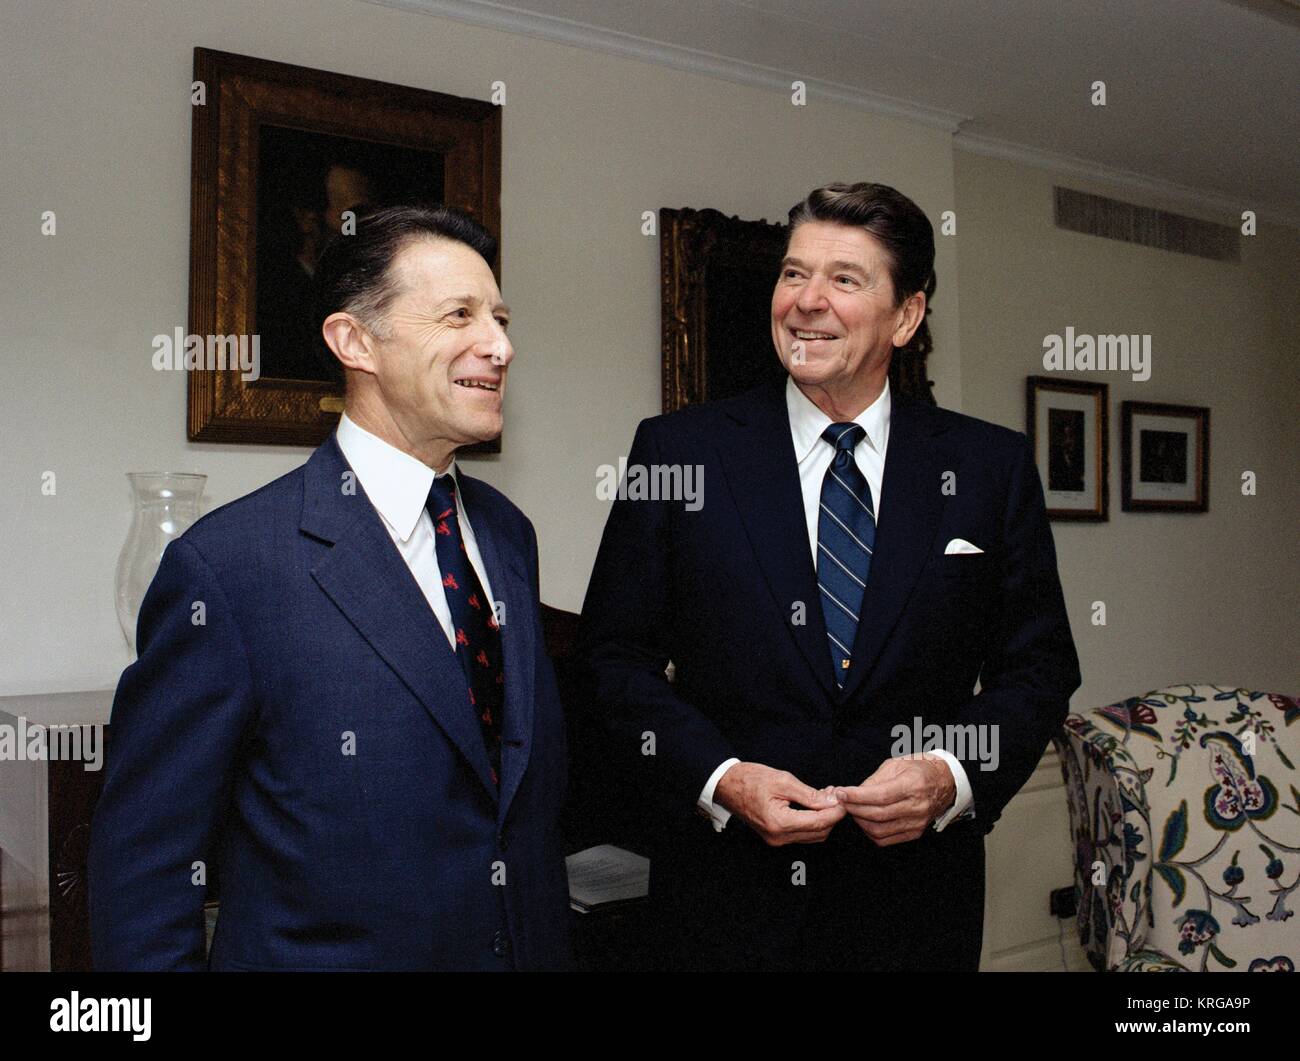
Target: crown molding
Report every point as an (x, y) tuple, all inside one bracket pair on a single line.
[(489, 15), (595, 38), (1225, 209)]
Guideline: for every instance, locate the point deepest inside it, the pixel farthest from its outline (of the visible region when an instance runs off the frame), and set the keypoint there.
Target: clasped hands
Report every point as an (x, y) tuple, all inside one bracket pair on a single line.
[(894, 805)]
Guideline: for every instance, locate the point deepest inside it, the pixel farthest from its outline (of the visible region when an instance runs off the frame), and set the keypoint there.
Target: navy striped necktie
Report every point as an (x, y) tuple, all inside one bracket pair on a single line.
[(846, 537)]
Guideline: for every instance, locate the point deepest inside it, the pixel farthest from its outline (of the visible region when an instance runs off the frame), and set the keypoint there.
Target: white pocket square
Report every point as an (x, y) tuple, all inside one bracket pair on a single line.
[(961, 545)]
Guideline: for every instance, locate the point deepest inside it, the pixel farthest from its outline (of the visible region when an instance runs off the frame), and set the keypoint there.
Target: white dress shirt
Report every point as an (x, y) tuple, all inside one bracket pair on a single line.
[(398, 486), (814, 455)]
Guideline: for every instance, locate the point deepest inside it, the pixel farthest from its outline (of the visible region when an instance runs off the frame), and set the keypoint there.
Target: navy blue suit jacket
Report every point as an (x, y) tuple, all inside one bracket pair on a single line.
[(729, 594), (312, 736)]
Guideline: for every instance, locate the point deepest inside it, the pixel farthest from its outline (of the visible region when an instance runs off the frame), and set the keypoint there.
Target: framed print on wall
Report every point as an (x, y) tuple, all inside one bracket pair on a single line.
[(278, 153), (1068, 428), (1164, 457)]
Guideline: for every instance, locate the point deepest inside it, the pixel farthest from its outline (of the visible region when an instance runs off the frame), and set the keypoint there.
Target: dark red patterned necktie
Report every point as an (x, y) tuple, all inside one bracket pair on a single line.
[(478, 637)]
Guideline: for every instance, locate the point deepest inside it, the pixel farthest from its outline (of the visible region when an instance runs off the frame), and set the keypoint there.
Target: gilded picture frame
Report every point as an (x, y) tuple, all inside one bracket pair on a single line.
[(258, 126)]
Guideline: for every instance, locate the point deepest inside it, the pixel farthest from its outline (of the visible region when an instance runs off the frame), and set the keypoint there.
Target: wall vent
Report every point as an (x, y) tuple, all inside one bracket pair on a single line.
[(1096, 215)]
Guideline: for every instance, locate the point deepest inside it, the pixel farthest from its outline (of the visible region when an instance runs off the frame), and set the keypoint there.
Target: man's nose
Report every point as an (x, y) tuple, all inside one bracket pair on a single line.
[(812, 296), (495, 345)]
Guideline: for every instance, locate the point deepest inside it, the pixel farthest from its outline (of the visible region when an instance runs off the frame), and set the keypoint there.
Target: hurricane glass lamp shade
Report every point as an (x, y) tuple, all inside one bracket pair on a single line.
[(164, 505)]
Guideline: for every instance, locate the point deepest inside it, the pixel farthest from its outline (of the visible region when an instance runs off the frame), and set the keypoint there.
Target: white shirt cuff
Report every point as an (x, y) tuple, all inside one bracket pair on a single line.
[(964, 805), (718, 815)]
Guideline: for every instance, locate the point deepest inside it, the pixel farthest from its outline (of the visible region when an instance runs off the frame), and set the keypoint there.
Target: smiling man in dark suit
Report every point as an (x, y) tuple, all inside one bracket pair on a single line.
[(857, 564), (363, 730)]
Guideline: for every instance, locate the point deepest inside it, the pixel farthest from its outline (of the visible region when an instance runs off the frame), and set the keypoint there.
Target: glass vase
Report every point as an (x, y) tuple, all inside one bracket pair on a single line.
[(164, 505)]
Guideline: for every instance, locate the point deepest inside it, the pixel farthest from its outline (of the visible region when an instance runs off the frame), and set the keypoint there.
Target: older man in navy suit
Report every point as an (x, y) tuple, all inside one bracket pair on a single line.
[(342, 699), (858, 562)]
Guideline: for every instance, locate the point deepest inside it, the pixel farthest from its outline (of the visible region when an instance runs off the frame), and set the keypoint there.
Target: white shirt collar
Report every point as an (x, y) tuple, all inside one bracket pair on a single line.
[(807, 422), (396, 483)]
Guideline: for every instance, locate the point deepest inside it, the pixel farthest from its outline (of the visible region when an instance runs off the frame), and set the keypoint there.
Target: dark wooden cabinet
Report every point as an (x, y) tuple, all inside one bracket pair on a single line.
[(45, 810)]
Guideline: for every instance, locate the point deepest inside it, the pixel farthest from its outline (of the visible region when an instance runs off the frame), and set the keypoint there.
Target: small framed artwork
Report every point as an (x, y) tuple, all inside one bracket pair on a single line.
[(1068, 427), (282, 157), (1165, 457)]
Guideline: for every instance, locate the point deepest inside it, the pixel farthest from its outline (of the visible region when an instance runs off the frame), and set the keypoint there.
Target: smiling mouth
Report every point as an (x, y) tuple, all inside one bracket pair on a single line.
[(480, 384), (808, 337)]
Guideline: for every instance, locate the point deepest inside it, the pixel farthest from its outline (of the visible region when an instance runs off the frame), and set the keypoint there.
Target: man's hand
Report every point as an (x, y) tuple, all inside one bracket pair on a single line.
[(762, 797), (899, 801)]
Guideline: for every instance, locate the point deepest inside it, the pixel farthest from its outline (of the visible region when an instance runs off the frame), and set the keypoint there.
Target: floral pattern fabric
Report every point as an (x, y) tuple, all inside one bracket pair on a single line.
[(1185, 815)]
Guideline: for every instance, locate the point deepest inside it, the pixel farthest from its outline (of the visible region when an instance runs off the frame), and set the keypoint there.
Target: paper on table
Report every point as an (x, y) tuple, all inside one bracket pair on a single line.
[(606, 874)]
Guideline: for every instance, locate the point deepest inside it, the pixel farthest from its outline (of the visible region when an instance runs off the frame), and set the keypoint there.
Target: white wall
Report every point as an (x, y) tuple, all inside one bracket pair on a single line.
[(1189, 597), (96, 123)]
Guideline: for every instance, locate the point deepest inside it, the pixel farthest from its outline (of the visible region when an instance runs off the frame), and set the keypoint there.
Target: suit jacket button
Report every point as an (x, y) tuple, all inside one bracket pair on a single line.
[(500, 944), (501, 841)]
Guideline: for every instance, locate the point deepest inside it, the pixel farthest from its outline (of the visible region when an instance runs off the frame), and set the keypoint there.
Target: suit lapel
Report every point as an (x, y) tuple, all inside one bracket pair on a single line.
[(910, 506), (510, 586), (764, 481), (366, 577)]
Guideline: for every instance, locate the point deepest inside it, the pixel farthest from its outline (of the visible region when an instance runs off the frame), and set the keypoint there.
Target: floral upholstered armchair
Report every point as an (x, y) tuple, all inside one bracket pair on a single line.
[(1185, 814)]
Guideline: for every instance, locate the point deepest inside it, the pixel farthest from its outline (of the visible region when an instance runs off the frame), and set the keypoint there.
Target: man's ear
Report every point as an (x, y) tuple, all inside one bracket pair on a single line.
[(912, 314), (350, 342)]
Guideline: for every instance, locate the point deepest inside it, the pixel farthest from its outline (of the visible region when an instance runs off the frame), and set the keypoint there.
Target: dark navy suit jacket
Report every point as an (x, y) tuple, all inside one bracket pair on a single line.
[(312, 737), (729, 594)]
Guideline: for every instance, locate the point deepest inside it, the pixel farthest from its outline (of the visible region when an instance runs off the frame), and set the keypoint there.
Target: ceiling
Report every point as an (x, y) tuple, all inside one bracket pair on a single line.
[(1202, 96)]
